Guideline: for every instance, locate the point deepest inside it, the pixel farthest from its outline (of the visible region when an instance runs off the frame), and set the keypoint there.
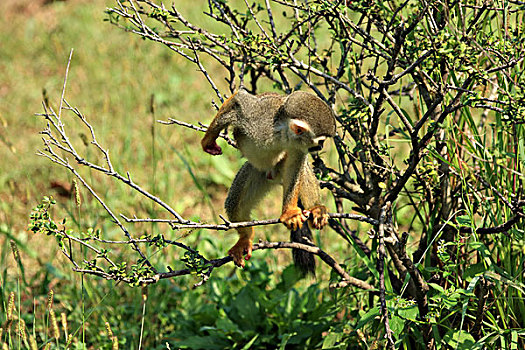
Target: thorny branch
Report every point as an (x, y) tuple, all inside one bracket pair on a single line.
[(215, 263), (56, 140), (231, 225)]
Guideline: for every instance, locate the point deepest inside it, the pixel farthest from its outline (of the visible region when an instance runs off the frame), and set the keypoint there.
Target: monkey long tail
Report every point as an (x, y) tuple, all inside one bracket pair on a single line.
[(304, 261)]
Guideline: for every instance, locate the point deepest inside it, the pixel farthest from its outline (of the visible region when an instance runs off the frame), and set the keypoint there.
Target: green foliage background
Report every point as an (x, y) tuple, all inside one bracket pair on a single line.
[(113, 79)]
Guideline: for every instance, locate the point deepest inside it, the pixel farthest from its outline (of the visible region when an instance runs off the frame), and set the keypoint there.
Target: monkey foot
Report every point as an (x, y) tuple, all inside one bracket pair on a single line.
[(241, 248), (293, 218), (319, 216)]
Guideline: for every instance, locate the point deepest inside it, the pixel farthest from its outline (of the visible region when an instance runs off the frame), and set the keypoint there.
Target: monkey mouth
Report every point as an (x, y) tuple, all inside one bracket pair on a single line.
[(315, 149)]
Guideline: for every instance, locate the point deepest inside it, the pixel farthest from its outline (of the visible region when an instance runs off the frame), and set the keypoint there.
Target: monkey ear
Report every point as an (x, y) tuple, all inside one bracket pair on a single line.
[(298, 127)]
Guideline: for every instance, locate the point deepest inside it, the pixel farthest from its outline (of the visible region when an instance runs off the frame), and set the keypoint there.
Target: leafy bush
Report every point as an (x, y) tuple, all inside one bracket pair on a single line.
[(254, 313)]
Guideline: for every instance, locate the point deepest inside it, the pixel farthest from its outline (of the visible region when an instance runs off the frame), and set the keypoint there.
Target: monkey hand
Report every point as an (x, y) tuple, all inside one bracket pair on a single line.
[(211, 147), (293, 218), (318, 216), (241, 248)]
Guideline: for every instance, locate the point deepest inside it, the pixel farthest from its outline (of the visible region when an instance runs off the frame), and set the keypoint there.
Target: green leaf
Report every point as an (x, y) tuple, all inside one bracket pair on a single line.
[(464, 220), (397, 324), (459, 339), (227, 326), (410, 312), (203, 342), (249, 344), (437, 287), (368, 317), (331, 340), (285, 339)]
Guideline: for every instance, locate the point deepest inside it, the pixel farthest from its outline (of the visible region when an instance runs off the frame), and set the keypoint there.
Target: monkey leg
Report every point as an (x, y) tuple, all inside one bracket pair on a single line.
[(248, 188)]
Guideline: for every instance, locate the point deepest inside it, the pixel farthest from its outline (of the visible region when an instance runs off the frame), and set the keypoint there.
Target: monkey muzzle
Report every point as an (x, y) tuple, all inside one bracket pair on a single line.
[(318, 146)]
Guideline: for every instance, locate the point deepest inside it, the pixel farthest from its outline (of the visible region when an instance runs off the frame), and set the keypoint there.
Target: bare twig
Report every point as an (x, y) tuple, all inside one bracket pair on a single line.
[(381, 263), (65, 82), (65, 145), (224, 136), (205, 72)]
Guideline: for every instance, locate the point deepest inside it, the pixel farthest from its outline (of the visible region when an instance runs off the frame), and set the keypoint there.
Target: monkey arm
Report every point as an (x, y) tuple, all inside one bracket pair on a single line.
[(248, 188), (293, 182), (225, 116), (309, 195)]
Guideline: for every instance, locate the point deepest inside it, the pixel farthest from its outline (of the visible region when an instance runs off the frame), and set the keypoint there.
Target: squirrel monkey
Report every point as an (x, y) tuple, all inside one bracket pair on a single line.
[(275, 133)]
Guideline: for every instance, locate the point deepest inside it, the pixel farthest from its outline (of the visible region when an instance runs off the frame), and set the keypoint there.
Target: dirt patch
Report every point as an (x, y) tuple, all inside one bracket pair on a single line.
[(26, 8)]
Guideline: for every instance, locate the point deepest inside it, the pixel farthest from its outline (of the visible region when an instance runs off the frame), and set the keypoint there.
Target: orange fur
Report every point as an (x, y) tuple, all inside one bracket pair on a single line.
[(243, 246)]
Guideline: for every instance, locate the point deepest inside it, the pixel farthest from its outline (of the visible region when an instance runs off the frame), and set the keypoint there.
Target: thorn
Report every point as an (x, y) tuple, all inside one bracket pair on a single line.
[(226, 221)]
